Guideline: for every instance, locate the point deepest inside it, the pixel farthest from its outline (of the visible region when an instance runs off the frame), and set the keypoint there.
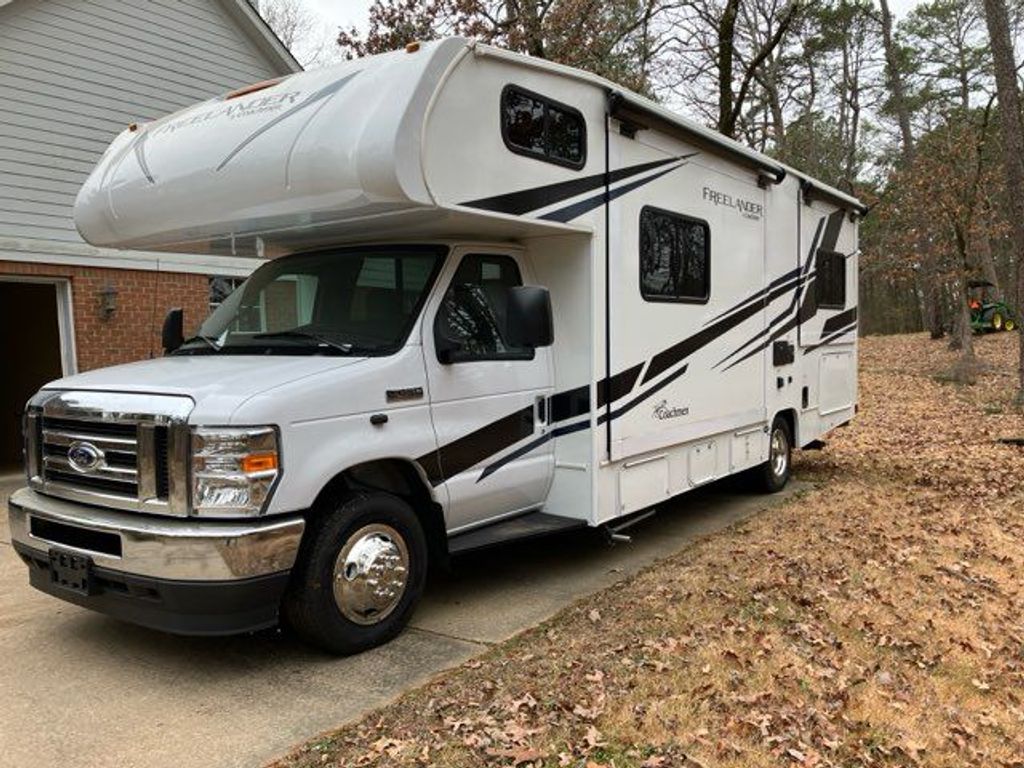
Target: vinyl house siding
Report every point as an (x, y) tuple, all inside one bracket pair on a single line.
[(74, 73)]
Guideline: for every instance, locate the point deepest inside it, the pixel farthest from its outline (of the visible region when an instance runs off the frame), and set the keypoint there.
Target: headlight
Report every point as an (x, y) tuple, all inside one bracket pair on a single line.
[(233, 470)]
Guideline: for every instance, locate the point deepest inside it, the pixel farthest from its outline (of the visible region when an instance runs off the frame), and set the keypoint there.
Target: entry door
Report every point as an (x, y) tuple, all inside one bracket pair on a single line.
[(486, 395)]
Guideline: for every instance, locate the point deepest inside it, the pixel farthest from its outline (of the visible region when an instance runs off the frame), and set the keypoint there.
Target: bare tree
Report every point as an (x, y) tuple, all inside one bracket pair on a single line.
[(302, 31), (997, 19), (897, 88), (614, 38)]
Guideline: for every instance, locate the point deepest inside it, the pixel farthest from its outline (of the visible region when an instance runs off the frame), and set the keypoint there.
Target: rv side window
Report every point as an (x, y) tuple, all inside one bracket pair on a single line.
[(538, 127), (675, 257), (473, 312), (831, 280)]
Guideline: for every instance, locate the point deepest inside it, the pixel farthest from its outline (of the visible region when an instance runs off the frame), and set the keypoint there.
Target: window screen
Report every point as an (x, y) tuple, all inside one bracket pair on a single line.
[(675, 257), (474, 310), (538, 127), (830, 281)]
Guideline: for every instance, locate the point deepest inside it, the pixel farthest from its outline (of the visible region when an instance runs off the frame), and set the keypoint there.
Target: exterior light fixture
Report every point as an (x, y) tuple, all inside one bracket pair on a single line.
[(108, 301)]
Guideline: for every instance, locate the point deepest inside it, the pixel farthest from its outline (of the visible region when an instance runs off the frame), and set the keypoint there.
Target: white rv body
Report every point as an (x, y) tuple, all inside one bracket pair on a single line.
[(640, 397)]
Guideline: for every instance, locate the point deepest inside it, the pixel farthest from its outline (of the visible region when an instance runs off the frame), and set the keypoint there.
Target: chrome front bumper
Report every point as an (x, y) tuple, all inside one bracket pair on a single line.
[(157, 548)]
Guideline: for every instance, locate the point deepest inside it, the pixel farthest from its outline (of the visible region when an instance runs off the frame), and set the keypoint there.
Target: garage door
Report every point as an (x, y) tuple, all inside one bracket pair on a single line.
[(30, 348)]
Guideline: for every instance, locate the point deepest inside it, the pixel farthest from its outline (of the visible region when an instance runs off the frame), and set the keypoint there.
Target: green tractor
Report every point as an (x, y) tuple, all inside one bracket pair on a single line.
[(987, 314)]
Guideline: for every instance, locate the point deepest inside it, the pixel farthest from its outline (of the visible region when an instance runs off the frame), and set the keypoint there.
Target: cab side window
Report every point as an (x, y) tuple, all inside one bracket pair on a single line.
[(471, 320)]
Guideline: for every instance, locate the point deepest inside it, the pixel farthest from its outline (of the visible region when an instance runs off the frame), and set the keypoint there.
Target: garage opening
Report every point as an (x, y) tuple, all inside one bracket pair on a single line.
[(32, 353)]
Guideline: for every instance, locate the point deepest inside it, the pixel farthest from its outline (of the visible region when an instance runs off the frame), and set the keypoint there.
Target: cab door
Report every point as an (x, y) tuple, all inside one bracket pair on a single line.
[(487, 397)]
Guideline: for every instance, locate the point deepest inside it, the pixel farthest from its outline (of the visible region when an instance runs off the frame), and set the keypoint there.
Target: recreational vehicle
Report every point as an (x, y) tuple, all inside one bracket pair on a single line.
[(500, 297)]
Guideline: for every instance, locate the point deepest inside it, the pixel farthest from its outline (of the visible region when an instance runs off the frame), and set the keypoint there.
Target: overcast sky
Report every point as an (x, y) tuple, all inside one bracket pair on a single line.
[(347, 13)]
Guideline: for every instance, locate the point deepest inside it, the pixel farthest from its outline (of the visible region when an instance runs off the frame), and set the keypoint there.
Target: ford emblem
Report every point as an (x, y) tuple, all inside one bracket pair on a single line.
[(84, 457)]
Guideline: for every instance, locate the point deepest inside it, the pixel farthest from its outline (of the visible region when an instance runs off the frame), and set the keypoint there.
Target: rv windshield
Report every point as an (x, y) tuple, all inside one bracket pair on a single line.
[(360, 301)]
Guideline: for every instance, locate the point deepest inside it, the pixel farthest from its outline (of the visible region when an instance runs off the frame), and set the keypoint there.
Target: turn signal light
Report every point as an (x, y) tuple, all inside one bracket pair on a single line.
[(258, 462)]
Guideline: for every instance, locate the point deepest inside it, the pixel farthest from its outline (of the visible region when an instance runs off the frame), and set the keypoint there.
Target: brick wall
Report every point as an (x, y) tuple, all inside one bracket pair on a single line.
[(132, 332)]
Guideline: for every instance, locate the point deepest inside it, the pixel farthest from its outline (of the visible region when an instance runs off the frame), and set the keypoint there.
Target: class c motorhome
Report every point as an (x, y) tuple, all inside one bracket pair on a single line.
[(500, 297)]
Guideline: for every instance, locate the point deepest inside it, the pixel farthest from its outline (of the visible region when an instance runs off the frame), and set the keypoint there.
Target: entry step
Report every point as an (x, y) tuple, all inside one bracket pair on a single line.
[(526, 526)]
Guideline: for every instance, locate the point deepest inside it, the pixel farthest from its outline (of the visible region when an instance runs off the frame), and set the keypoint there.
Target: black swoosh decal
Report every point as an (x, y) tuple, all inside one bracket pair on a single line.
[(461, 454), (568, 429), (621, 385), (838, 321), (835, 223), (642, 396), (570, 212), (576, 402), (797, 285), (569, 404), (773, 328), (792, 275), (490, 469), (526, 200), (139, 148), (841, 332), (324, 93), (776, 334), (666, 359)]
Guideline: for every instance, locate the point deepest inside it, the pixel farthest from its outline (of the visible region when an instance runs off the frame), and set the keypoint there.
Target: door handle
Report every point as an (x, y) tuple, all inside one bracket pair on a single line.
[(542, 409)]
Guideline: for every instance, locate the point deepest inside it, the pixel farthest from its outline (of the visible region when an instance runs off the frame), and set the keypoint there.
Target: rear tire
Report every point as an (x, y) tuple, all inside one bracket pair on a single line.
[(772, 476), (359, 575), (997, 321)]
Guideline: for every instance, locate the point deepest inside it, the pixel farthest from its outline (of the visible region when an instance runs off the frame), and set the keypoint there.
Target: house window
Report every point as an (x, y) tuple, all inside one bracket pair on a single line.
[(471, 319), (830, 283), (538, 127), (221, 287), (675, 257)]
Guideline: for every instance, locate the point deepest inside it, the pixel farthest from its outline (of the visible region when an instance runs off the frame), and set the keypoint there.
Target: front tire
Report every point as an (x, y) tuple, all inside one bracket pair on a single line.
[(359, 575), (773, 475), (997, 321)]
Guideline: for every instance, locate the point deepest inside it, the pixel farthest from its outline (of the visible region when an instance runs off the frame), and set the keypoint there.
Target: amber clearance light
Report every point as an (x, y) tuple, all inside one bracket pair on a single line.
[(258, 462), (253, 88)]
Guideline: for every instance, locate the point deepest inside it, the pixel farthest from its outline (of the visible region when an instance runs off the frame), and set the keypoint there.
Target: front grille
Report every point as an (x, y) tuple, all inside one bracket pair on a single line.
[(118, 450), (117, 471), (160, 455)]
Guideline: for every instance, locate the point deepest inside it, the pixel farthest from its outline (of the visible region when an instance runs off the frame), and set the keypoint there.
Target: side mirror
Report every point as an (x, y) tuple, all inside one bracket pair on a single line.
[(173, 334), (447, 349), (529, 317)]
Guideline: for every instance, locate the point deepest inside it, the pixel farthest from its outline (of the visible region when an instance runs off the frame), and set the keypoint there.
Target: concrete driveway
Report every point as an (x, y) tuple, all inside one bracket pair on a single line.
[(77, 688)]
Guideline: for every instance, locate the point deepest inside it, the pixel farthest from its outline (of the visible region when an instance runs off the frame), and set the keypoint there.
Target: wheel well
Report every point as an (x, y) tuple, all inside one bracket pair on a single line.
[(403, 479), (789, 416)]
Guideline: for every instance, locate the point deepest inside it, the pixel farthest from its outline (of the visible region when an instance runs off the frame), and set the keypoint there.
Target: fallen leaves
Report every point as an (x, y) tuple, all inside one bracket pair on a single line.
[(873, 621)]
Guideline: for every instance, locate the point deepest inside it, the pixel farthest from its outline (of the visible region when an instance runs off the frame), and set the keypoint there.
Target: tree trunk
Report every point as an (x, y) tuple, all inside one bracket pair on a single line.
[(726, 39), (983, 249), (998, 21), (775, 107), (894, 77), (936, 328)]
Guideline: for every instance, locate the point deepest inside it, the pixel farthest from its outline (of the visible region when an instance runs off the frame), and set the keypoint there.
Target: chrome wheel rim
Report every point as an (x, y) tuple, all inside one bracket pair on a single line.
[(780, 452), (371, 573)]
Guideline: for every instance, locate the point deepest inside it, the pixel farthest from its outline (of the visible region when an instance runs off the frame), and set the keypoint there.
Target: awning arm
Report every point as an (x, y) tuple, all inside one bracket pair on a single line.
[(637, 115), (812, 191)]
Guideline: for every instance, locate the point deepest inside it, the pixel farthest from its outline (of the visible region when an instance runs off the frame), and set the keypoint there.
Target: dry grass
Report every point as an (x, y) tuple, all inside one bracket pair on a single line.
[(876, 620)]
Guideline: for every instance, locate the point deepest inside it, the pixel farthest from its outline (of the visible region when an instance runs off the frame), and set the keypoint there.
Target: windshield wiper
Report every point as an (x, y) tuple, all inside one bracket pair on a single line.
[(322, 340), (210, 341)]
